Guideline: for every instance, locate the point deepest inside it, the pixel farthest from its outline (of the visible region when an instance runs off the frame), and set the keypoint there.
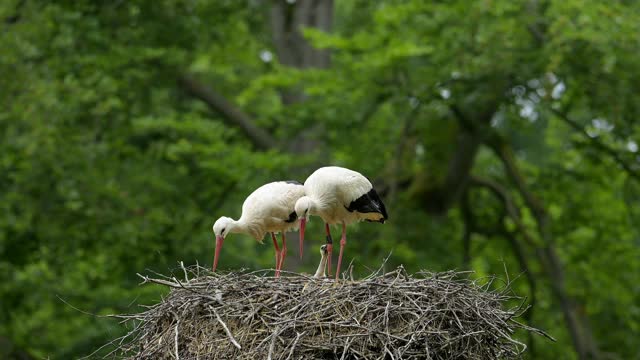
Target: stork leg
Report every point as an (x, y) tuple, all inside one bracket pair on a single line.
[(329, 246), (275, 244), (343, 242), (283, 252)]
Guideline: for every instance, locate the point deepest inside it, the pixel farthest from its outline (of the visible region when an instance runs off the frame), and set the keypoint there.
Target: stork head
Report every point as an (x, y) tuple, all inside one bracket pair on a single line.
[(221, 228), (303, 208)]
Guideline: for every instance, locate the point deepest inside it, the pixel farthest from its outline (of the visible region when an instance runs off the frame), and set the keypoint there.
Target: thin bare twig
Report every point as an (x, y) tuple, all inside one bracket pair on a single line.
[(272, 346), (226, 329), (293, 347), (176, 340)]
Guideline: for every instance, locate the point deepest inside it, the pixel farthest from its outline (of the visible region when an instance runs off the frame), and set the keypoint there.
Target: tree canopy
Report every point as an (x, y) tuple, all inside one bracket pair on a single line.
[(501, 134)]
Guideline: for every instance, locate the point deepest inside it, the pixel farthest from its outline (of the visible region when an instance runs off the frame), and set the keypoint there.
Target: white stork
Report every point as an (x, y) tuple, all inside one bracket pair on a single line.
[(339, 196), (268, 209)]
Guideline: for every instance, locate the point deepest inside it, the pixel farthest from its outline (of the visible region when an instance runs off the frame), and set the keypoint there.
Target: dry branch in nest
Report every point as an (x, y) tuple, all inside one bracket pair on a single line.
[(250, 315)]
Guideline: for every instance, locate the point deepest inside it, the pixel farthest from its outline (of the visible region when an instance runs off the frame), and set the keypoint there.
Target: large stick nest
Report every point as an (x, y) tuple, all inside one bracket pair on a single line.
[(384, 316)]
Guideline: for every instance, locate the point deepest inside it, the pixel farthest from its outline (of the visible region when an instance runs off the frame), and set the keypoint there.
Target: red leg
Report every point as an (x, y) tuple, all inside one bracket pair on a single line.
[(283, 253), (343, 242), (329, 247), (275, 244)]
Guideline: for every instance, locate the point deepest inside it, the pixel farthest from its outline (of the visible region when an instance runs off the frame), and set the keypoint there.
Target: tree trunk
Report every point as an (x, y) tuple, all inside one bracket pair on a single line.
[(287, 22)]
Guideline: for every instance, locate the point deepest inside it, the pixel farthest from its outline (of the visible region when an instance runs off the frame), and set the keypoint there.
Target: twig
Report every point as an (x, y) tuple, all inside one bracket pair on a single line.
[(272, 346), (186, 278), (226, 329), (176, 340), (146, 279), (298, 336), (346, 348)]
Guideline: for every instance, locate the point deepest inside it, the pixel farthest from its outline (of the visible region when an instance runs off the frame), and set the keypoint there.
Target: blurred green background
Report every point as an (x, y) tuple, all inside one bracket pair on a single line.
[(501, 134)]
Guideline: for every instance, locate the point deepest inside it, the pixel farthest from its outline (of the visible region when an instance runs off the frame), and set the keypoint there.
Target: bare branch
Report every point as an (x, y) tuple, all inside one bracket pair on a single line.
[(601, 146), (472, 132), (231, 114), (505, 153), (501, 193)]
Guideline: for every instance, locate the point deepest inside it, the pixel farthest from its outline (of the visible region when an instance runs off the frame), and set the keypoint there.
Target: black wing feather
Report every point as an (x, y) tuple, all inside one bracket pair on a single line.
[(376, 200), (368, 203), (292, 217)]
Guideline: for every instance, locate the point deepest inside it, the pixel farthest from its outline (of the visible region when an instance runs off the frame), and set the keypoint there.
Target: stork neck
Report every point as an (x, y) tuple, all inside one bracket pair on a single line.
[(314, 206), (238, 227), (248, 227)]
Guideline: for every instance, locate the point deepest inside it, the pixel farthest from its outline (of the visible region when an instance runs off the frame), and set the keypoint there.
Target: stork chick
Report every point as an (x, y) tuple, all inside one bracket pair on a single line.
[(270, 208), (321, 271)]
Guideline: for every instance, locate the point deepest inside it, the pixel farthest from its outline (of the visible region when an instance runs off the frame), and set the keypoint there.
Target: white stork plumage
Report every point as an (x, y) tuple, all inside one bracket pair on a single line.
[(270, 208), (338, 196)]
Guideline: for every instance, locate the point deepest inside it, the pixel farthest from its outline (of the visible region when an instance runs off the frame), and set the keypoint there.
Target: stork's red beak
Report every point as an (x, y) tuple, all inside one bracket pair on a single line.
[(219, 241), (303, 223)]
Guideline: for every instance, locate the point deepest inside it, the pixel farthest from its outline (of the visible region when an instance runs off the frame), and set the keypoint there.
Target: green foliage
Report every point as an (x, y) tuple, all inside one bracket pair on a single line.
[(108, 167)]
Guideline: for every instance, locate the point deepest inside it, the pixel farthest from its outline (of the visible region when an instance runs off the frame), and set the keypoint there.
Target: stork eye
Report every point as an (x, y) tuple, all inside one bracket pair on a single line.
[(222, 232), (306, 211)]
